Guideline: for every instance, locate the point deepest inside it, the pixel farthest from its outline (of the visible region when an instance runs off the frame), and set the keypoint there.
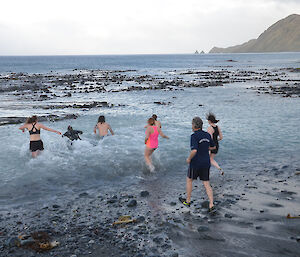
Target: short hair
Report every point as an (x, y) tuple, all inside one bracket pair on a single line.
[(101, 119), (197, 122), (154, 116)]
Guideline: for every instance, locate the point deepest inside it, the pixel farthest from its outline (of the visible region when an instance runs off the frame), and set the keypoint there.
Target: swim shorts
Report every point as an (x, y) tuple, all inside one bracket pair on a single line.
[(202, 173), (36, 145)]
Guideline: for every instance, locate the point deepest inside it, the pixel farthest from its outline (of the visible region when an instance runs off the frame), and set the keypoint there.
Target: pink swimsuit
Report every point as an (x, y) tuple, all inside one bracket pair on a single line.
[(152, 141)]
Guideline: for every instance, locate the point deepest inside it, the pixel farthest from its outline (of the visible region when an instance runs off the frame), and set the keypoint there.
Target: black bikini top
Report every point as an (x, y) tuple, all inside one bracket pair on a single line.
[(34, 130)]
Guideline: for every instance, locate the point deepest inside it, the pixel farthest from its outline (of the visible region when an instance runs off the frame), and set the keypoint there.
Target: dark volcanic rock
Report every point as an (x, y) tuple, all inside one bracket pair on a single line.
[(144, 194), (132, 203)]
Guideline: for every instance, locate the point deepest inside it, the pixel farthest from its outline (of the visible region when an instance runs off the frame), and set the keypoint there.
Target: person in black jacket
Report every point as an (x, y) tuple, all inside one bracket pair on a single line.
[(72, 134)]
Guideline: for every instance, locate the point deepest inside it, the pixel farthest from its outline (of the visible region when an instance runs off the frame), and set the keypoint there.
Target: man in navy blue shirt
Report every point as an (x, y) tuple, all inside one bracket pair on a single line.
[(199, 162)]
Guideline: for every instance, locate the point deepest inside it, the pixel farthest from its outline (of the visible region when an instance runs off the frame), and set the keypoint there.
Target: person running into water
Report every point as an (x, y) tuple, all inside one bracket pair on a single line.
[(34, 128), (151, 141), (103, 127), (72, 134), (217, 136), (157, 122), (199, 162)]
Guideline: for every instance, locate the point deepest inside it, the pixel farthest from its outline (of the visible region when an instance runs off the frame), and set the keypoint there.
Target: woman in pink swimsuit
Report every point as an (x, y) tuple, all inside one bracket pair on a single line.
[(151, 141)]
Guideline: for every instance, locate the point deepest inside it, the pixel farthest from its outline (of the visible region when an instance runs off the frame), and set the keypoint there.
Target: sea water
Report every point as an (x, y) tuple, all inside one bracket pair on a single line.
[(260, 131)]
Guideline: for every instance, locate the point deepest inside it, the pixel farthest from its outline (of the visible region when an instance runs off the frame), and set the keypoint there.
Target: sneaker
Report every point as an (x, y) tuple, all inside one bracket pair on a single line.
[(212, 209), (184, 202), (221, 171)]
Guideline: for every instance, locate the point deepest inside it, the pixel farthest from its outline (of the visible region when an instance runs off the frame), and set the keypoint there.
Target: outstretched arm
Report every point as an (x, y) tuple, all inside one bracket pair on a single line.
[(162, 134), (23, 128), (49, 129)]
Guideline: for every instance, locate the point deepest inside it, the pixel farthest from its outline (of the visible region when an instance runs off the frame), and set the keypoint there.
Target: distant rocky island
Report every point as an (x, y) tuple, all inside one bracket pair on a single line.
[(283, 36)]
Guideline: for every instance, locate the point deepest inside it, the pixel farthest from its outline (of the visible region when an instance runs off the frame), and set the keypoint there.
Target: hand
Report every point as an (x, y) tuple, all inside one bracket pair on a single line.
[(58, 132), (23, 130), (188, 160)]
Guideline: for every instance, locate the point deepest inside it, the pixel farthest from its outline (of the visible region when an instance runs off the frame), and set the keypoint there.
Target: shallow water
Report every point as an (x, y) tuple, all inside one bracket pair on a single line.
[(259, 132)]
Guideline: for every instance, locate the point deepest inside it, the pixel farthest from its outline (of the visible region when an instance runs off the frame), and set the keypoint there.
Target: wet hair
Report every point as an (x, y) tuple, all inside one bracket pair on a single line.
[(211, 117), (101, 119), (151, 121), (154, 116), (31, 119), (197, 123)]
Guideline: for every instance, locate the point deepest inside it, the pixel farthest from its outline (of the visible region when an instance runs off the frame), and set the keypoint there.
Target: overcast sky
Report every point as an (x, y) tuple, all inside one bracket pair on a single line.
[(38, 27)]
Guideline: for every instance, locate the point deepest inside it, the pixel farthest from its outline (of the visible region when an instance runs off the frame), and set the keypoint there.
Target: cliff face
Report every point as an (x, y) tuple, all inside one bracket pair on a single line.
[(283, 36)]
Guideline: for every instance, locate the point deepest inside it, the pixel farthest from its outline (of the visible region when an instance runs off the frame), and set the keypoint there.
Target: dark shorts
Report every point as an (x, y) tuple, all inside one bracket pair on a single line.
[(36, 146), (215, 151), (202, 173)]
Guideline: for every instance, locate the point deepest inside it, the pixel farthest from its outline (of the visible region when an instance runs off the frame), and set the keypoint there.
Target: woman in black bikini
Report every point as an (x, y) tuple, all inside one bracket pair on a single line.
[(34, 128), (216, 135)]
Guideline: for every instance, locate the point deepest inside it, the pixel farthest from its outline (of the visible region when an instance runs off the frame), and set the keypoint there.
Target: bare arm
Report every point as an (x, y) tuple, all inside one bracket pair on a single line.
[(49, 129), (191, 156), (147, 134), (110, 129), (220, 134), (95, 129), (23, 127), (162, 134)]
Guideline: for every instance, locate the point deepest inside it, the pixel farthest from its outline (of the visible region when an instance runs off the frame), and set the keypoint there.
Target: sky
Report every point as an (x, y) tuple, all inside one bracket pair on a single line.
[(67, 27)]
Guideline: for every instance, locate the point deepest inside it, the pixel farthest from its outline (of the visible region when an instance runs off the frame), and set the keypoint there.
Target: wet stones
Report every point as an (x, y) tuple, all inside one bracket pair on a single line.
[(205, 204), (274, 205), (144, 194), (13, 242), (132, 203), (202, 229)]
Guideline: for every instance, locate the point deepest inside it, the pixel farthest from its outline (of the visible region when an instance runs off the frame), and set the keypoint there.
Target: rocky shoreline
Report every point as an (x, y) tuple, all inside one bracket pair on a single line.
[(42, 91), (251, 208)]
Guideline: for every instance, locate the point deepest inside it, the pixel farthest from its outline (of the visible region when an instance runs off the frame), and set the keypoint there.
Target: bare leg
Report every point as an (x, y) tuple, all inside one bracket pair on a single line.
[(35, 154), (213, 162), (209, 193), (189, 188), (147, 154)]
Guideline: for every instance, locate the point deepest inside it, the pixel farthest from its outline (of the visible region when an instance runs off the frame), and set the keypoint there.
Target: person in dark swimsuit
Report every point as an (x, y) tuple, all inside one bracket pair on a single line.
[(216, 135), (34, 128)]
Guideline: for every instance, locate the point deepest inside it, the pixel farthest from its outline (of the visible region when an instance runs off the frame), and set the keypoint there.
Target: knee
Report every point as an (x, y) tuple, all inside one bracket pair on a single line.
[(206, 184)]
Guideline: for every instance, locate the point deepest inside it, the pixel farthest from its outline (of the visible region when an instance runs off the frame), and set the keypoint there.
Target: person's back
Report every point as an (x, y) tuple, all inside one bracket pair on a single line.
[(201, 141), (103, 127), (152, 141)]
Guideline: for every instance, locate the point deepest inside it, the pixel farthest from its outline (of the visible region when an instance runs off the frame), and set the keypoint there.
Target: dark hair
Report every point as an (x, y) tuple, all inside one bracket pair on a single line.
[(154, 116), (101, 119), (69, 127), (151, 121), (211, 117), (197, 122), (32, 119)]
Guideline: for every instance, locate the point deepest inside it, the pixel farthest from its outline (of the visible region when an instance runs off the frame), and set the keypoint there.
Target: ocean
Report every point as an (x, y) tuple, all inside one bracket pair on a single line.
[(260, 131)]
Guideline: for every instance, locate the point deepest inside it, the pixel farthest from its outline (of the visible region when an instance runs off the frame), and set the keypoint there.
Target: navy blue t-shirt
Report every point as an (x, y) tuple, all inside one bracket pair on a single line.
[(201, 141)]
